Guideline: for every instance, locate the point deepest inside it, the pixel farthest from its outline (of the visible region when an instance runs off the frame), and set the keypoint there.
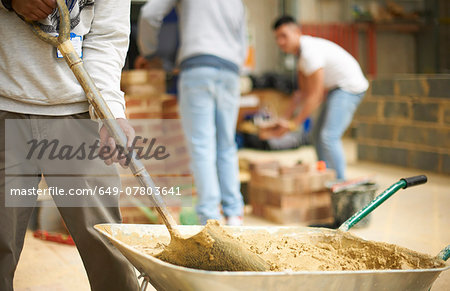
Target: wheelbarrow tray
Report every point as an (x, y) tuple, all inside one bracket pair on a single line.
[(165, 276)]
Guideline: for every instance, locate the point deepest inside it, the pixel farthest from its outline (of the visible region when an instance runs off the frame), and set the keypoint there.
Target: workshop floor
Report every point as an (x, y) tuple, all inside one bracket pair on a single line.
[(417, 218)]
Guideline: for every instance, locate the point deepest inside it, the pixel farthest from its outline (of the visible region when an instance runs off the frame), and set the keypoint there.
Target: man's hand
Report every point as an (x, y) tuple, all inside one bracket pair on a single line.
[(142, 63), (107, 141), (280, 128), (33, 9)]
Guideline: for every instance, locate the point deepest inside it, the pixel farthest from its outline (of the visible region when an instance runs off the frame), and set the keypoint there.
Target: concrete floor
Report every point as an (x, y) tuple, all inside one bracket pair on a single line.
[(417, 218)]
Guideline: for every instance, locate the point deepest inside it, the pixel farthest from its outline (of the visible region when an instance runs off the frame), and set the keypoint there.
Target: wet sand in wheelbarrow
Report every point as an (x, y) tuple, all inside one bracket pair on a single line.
[(327, 251)]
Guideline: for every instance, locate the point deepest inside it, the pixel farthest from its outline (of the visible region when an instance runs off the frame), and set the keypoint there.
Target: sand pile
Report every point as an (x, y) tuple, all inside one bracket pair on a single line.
[(340, 252), (331, 251)]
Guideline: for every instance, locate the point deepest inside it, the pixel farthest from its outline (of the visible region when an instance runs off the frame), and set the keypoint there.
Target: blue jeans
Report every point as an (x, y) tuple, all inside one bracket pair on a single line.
[(209, 104), (336, 115)]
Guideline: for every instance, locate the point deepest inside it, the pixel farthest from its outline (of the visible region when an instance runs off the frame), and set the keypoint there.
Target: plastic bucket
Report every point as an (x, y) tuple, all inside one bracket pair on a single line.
[(349, 201)]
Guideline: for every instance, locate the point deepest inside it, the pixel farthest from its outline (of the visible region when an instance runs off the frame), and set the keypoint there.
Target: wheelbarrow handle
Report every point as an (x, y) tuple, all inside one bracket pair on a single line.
[(101, 108), (401, 184)]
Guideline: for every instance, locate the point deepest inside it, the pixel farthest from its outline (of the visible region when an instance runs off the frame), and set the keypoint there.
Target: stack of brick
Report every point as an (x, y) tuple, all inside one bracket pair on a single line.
[(288, 195), (170, 108), (405, 121), (144, 92), (154, 114), (146, 99)]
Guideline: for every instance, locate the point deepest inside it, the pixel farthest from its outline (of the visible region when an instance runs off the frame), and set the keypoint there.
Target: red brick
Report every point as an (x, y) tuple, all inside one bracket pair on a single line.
[(286, 216), (156, 78), (320, 206), (132, 77), (297, 169), (317, 180), (171, 115), (171, 140), (257, 209), (287, 201), (263, 165), (133, 102), (144, 89), (145, 115), (287, 184), (257, 196), (178, 166)]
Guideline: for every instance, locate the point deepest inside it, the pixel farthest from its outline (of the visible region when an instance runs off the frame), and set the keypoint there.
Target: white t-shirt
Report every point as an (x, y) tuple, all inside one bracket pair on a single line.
[(340, 69)]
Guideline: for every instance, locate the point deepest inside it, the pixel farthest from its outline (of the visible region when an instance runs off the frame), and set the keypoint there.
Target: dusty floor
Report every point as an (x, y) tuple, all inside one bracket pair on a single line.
[(417, 218)]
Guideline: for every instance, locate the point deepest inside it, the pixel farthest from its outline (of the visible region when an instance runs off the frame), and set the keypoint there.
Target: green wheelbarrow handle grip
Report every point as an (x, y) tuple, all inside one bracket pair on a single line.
[(401, 184), (414, 181), (444, 254)]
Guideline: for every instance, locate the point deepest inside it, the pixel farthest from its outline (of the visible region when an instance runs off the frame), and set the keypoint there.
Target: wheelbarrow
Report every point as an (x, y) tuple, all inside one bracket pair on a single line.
[(165, 276)]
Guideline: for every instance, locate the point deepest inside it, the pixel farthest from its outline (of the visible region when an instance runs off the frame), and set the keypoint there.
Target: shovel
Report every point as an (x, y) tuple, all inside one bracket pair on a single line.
[(210, 249)]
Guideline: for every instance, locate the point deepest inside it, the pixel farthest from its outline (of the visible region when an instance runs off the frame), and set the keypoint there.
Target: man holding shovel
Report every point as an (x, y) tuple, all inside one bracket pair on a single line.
[(39, 90)]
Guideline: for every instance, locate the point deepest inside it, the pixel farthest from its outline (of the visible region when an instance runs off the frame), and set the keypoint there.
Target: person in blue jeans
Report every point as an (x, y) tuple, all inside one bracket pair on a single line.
[(329, 79), (212, 50)]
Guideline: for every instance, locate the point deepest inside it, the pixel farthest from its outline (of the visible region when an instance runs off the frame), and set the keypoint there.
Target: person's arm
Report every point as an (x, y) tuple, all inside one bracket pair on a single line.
[(149, 25), (105, 48), (310, 98), (104, 51), (311, 95)]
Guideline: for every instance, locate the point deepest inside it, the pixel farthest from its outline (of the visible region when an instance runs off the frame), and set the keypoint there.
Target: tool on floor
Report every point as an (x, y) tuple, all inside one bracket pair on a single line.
[(211, 248), (54, 237), (342, 186)]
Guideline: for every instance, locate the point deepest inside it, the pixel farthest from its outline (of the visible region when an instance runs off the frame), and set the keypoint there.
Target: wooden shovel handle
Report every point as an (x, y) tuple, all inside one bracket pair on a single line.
[(101, 108)]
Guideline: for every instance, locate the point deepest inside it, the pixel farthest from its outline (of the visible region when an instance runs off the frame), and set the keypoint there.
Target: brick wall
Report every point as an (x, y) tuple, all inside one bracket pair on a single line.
[(405, 121)]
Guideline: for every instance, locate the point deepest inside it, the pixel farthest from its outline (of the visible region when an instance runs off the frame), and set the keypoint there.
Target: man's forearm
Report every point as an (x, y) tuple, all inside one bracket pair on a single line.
[(293, 105), (105, 48), (150, 21), (311, 94), (309, 105)]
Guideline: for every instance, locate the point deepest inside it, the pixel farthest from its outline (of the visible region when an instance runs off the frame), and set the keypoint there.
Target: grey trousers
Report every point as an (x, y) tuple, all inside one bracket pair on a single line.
[(106, 268)]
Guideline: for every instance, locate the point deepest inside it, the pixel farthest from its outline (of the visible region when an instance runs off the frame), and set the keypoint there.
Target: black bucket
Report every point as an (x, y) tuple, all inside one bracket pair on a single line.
[(349, 201)]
